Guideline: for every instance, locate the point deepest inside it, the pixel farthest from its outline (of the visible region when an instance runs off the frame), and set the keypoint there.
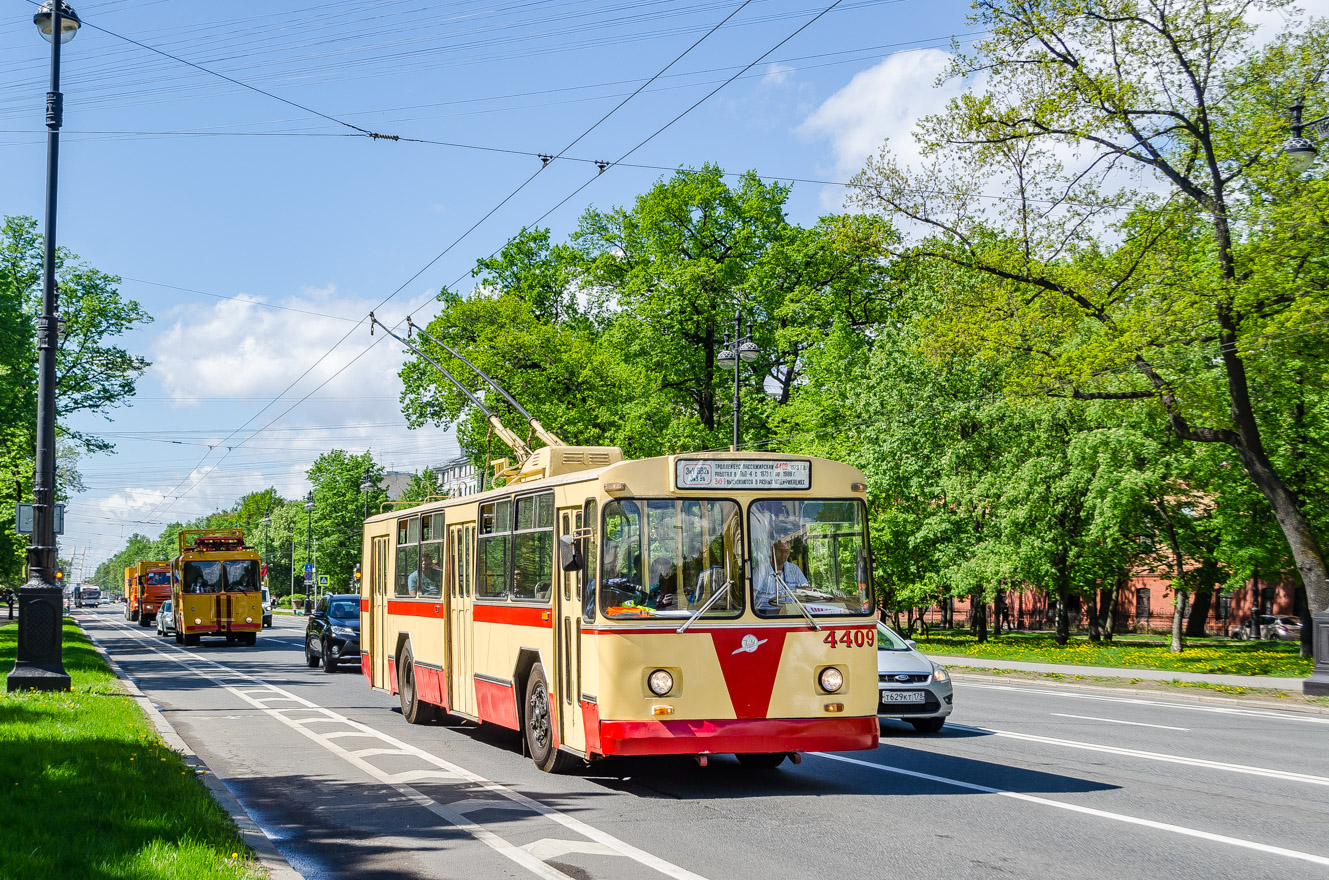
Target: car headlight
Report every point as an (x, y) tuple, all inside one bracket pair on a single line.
[(344, 632), (831, 679), (660, 682), (939, 673)]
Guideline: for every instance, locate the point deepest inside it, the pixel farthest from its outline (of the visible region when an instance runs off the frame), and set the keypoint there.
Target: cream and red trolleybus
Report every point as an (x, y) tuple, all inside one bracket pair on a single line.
[(680, 605)]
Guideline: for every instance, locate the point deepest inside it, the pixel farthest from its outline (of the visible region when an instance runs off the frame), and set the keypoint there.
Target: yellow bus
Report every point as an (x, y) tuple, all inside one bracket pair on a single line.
[(215, 588), (716, 603), (131, 603)]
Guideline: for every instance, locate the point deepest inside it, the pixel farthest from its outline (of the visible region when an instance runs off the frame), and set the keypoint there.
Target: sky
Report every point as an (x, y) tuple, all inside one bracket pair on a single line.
[(227, 187)]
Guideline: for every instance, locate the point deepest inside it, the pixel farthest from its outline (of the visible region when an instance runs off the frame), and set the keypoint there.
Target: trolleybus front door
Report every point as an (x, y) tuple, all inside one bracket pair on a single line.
[(567, 641), (378, 613), (461, 623)]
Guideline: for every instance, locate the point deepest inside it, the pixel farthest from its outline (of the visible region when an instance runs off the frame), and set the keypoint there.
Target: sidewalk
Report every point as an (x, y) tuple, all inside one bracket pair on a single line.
[(1257, 681)]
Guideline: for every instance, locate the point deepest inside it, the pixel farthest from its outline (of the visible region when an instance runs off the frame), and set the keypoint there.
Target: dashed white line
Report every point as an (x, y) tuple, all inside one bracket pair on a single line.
[(1089, 811), (1119, 721)]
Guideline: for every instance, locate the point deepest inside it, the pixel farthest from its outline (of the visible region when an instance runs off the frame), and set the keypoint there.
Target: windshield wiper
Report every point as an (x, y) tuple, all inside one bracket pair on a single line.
[(779, 582), (724, 590)]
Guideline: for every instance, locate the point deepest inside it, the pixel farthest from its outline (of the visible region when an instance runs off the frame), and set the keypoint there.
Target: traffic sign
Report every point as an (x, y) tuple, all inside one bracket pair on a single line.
[(309, 581), (324, 580), (309, 569)]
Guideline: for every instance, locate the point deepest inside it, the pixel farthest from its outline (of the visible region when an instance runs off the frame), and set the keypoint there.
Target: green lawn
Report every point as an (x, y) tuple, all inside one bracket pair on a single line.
[(89, 790), (1134, 652)]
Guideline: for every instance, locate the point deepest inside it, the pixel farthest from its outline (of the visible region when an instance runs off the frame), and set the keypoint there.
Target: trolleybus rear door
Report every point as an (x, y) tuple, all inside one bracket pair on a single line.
[(567, 641), (461, 623), (378, 613)]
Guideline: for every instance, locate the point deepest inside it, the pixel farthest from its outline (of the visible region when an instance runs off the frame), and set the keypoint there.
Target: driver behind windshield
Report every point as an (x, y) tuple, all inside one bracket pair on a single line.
[(777, 579)]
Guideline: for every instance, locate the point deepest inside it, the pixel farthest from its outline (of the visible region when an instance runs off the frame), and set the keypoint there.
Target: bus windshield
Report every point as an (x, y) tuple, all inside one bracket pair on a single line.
[(158, 578), (215, 576), (670, 558), (809, 557)]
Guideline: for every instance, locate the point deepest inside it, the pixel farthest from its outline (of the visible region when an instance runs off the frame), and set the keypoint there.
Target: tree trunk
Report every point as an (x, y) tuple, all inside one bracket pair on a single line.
[(947, 612), (979, 616), (1178, 613), (1302, 609), (1063, 631), (1201, 602), (1107, 611), (1178, 578), (1255, 604), (1095, 628)]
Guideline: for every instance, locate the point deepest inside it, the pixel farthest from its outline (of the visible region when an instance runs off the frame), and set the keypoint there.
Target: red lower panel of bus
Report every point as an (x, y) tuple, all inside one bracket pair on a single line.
[(431, 685), (495, 702), (364, 666), (747, 735)]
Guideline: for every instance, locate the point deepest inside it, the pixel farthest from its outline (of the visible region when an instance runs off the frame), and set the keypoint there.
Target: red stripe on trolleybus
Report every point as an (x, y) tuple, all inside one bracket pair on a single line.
[(518, 615), (495, 702), (432, 684), (416, 609), (710, 737), (749, 660), (364, 605)]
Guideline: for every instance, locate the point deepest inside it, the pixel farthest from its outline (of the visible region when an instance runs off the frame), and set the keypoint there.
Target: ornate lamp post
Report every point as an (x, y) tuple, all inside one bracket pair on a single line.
[(1301, 153), (367, 486), (739, 349), (309, 539), (38, 663)]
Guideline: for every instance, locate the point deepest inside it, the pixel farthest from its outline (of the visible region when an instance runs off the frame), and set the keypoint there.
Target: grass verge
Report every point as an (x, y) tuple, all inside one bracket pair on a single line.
[(89, 790), (1220, 656)]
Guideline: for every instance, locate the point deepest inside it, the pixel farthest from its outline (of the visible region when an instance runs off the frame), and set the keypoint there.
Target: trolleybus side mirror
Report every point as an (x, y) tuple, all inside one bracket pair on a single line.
[(569, 554)]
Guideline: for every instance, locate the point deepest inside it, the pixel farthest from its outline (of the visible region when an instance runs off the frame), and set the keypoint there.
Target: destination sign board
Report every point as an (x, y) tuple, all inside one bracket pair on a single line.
[(742, 473)]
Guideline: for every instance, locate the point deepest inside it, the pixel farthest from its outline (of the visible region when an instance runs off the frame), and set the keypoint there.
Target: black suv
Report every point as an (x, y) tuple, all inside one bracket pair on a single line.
[(333, 632)]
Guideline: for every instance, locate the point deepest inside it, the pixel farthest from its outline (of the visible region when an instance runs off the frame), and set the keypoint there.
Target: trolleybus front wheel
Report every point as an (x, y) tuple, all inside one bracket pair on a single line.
[(191, 638), (413, 709), (538, 724), (761, 760), (249, 639)]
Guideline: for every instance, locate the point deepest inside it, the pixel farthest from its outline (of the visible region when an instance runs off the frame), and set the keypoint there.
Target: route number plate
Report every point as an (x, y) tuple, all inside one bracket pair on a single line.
[(902, 697)]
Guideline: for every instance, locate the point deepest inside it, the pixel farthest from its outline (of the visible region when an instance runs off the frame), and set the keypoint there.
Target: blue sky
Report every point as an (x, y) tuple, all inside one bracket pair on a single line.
[(258, 233)]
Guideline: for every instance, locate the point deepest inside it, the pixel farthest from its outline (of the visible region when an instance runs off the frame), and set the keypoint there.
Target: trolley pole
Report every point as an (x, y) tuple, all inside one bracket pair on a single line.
[(38, 664)]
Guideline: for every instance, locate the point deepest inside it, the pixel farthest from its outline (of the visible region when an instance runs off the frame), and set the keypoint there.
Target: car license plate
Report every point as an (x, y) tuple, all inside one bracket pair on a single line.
[(903, 697)]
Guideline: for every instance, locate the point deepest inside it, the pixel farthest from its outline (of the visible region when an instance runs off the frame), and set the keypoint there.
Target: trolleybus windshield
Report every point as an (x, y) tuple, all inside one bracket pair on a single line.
[(671, 558), (809, 557), (215, 576)]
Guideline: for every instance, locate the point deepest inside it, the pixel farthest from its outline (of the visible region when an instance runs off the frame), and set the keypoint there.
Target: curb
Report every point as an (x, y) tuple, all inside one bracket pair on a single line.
[(1231, 702), (250, 833)]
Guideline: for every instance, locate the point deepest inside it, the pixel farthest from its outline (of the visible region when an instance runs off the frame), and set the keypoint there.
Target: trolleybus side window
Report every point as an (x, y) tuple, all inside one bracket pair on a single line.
[(492, 572), (591, 577), (809, 557), (533, 548), (431, 556), (688, 559), (408, 556)]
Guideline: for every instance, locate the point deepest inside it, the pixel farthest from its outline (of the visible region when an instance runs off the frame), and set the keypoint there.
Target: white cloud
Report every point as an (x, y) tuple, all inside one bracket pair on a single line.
[(777, 74), (883, 102)]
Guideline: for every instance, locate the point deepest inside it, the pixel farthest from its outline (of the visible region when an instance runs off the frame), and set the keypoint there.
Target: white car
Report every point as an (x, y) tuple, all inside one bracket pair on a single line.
[(166, 620), (910, 686)]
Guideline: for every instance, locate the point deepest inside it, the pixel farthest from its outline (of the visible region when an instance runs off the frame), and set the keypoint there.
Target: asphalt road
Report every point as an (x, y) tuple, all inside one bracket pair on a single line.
[(1024, 781)]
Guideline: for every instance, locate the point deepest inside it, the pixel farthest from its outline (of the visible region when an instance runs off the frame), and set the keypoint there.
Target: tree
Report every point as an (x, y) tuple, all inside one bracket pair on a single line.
[(1146, 252), (338, 512)]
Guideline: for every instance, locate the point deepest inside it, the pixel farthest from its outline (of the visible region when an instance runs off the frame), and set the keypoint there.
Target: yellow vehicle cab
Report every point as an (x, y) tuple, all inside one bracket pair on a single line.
[(684, 604), (215, 587)]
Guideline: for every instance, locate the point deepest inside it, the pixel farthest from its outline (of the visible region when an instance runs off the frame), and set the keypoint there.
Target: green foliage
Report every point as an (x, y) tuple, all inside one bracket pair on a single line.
[(338, 513)]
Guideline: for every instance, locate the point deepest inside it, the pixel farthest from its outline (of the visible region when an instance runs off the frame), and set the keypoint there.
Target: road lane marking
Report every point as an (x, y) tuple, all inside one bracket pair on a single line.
[(244, 686), (1137, 701), (1286, 775), (1118, 721), (1089, 811)]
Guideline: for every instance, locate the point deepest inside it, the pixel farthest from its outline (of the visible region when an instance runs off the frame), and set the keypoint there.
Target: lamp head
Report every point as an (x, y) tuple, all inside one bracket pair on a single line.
[(69, 21), (748, 352), (1300, 152)]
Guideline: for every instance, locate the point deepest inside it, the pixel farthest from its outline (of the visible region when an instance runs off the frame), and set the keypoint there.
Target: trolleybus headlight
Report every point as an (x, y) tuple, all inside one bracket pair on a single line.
[(198, 621), (660, 682), (249, 620), (831, 679)]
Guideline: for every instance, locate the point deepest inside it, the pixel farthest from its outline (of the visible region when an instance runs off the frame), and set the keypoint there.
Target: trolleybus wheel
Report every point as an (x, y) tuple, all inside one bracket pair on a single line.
[(191, 638), (413, 709), (310, 660), (761, 760), (329, 659), (230, 638), (179, 639), (250, 639), (538, 724)]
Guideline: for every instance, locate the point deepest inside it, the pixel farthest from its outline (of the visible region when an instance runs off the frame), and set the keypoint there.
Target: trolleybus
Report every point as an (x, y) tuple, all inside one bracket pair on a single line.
[(148, 585), (215, 588), (685, 604)]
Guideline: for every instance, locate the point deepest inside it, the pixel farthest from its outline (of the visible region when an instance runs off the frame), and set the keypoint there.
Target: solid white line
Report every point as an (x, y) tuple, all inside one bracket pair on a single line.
[(1118, 721), (1137, 701), (1287, 775), (1089, 811)]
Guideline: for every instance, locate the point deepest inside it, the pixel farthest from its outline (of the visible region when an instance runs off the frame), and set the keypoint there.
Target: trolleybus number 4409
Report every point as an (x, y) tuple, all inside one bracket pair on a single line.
[(856, 638)]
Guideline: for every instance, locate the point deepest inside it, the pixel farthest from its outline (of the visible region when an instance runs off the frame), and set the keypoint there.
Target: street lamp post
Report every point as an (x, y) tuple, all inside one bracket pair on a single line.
[(38, 664), (266, 561), (740, 349), (367, 486), (309, 540), (1300, 151)]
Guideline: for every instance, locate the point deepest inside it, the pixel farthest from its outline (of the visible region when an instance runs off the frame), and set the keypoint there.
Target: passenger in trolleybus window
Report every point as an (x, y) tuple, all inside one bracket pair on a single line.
[(777, 579), (433, 576)]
